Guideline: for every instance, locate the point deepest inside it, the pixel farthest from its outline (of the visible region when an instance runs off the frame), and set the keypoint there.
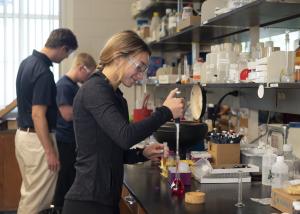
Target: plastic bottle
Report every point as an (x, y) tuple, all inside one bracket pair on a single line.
[(267, 160), (279, 173), (289, 159), (155, 26)]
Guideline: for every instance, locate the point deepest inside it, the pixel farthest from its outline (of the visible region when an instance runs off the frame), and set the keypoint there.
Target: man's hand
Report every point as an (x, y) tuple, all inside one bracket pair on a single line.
[(52, 160), (176, 105), (155, 151), (42, 131)]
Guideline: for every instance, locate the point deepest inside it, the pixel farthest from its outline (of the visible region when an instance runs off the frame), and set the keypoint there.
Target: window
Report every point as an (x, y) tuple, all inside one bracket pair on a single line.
[(24, 25), (280, 41)]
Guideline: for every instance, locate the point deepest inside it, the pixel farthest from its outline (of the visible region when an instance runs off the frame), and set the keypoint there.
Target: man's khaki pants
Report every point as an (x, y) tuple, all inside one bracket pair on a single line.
[(38, 182)]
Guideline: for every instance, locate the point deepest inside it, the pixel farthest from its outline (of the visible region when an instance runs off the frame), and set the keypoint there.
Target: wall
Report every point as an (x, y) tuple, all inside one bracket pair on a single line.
[(93, 22)]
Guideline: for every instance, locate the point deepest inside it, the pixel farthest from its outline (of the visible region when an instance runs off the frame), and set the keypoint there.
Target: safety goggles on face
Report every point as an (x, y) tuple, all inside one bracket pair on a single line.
[(88, 71), (139, 67)]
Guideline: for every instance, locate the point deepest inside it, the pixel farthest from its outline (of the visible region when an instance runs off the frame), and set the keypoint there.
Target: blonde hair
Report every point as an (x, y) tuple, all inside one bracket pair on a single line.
[(84, 59), (121, 44)]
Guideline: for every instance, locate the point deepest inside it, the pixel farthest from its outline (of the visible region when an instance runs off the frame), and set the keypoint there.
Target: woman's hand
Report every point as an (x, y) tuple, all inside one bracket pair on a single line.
[(155, 151), (176, 105)]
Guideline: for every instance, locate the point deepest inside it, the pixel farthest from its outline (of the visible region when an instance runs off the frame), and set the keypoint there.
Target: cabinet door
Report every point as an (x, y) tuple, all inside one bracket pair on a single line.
[(128, 204), (10, 177)]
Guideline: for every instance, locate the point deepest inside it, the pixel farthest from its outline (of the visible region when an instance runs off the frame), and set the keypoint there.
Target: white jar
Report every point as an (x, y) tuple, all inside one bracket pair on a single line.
[(187, 12)]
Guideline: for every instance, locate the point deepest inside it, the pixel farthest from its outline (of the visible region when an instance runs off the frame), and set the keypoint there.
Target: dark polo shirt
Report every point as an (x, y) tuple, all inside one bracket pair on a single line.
[(66, 91), (35, 86)]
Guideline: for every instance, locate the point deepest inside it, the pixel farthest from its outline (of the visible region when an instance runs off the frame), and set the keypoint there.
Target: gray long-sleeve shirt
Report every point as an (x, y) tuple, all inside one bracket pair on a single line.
[(104, 135)]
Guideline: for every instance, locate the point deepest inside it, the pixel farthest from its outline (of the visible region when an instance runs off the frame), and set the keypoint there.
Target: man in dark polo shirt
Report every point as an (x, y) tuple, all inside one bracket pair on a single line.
[(82, 67), (36, 148)]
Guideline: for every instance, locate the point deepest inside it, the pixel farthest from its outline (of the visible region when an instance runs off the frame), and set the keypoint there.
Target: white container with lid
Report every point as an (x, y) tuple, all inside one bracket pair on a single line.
[(187, 12)]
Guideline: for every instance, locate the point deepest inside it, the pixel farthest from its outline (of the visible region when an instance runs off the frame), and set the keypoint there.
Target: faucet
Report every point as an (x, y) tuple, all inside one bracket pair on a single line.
[(283, 130)]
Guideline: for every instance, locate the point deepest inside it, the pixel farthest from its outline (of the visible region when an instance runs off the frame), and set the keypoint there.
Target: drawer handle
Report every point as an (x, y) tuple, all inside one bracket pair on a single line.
[(129, 199)]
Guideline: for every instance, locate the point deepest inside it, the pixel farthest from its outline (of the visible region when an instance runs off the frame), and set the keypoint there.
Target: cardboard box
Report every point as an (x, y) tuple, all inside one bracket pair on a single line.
[(191, 21), (283, 201), (224, 153)]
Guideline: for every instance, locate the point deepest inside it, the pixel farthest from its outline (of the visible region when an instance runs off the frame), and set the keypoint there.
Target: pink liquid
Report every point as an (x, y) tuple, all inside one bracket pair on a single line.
[(177, 187)]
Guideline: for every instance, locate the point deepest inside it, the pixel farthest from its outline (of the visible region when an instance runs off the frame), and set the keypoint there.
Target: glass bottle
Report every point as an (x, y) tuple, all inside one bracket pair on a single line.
[(297, 64), (165, 154), (286, 75), (177, 187), (296, 168), (289, 159), (223, 63), (211, 64), (267, 160)]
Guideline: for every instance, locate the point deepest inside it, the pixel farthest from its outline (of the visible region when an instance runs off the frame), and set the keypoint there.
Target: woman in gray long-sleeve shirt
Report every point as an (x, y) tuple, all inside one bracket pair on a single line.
[(102, 129)]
